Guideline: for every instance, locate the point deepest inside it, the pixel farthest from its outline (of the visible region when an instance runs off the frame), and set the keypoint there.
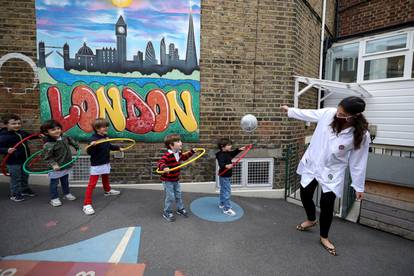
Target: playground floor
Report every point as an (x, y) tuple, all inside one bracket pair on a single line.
[(128, 236)]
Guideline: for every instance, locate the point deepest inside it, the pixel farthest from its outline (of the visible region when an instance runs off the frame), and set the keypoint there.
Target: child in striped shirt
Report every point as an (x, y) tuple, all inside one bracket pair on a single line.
[(170, 179)]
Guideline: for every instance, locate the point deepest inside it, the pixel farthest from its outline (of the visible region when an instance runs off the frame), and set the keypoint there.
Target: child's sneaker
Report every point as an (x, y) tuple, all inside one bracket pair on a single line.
[(88, 210), (70, 197), (229, 212), (55, 202), (169, 216), (28, 192), (17, 198), (183, 212), (112, 192), (221, 206)]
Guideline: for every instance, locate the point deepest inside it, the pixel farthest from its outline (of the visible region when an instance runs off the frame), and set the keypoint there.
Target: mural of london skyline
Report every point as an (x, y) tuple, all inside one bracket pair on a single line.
[(111, 58)]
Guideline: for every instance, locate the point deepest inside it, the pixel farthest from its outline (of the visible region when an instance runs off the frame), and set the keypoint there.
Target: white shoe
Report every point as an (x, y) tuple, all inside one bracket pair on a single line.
[(88, 209), (55, 202), (70, 197), (112, 192), (230, 212)]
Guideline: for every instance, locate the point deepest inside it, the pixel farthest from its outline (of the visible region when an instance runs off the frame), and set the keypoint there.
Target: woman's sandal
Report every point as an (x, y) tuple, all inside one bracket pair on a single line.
[(302, 228), (331, 251)]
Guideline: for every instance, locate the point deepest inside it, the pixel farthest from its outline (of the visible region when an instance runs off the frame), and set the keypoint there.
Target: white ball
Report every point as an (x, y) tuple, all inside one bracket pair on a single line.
[(248, 123)]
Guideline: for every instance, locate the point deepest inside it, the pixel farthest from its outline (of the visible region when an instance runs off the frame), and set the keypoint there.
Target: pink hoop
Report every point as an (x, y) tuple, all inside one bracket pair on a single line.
[(3, 163), (246, 150)]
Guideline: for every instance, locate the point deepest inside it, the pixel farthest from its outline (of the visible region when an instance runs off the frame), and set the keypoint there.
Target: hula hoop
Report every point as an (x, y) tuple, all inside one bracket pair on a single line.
[(114, 139), (3, 163), (246, 150), (34, 155), (203, 151)]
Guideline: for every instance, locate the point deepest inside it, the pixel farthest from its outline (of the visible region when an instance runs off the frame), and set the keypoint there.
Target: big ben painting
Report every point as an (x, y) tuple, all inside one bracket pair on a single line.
[(134, 62)]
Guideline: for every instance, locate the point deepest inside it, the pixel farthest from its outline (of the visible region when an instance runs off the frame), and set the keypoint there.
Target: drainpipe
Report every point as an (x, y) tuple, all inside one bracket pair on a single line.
[(322, 48), (336, 20)]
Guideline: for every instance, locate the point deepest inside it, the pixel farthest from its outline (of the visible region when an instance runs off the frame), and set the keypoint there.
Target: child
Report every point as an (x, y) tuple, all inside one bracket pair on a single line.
[(10, 135), (169, 160), (57, 153), (100, 155), (224, 157)]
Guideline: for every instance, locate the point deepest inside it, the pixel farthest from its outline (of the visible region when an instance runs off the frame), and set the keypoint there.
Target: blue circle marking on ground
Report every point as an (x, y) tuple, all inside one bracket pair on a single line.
[(207, 208)]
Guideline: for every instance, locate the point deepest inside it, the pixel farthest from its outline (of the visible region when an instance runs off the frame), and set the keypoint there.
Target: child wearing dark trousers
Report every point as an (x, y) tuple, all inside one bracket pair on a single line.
[(100, 166), (57, 153), (10, 135)]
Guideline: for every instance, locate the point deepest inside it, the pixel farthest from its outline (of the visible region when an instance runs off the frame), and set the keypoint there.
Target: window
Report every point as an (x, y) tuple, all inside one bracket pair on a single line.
[(342, 63), (384, 68), (412, 68), (386, 44), (385, 56)]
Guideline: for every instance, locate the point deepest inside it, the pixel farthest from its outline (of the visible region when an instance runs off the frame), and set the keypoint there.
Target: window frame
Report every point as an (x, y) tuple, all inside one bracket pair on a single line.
[(365, 42), (340, 45), (408, 52), (382, 56)]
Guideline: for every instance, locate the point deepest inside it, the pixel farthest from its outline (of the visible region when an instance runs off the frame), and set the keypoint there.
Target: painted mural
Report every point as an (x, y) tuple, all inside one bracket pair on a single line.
[(134, 62)]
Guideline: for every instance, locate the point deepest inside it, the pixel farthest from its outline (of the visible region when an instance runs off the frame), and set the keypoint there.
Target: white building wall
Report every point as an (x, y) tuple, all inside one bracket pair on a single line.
[(391, 108)]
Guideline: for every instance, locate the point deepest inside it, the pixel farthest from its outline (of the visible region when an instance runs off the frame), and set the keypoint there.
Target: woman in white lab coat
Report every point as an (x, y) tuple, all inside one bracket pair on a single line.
[(341, 139)]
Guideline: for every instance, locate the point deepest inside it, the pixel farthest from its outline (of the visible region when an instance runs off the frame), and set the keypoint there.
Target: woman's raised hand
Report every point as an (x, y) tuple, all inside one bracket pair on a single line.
[(284, 108)]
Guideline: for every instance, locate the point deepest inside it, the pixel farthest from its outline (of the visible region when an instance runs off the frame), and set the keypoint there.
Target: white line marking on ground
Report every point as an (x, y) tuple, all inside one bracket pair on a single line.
[(120, 249)]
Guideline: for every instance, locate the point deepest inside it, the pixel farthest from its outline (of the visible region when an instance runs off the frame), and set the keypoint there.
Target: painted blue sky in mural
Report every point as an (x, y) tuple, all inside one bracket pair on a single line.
[(93, 22)]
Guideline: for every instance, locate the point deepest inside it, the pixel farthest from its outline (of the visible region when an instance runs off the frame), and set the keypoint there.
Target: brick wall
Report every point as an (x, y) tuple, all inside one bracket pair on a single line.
[(250, 51), (253, 72), (18, 35), (356, 16), (305, 49), (317, 6)]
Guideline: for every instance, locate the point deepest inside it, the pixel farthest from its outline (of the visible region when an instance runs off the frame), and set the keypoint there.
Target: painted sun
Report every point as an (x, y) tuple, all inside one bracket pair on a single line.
[(121, 3)]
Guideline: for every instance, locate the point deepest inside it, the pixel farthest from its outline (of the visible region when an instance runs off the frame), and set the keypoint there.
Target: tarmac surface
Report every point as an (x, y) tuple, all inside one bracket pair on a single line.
[(262, 242)]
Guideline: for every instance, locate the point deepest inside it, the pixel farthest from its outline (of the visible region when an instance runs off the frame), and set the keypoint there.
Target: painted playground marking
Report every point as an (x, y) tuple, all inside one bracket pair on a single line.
[(118, 246), (114, 253), (207, 208), (34, 268), (84, 228), (119, 251), (51, 223)]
